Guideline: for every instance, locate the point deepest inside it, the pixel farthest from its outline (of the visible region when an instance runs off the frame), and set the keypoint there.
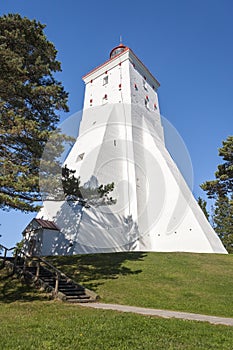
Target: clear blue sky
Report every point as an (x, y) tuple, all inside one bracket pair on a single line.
[(187, 45)]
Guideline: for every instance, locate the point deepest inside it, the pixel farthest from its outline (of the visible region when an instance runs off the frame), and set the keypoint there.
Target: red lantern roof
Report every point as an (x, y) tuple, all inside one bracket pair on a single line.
[(117, 50)]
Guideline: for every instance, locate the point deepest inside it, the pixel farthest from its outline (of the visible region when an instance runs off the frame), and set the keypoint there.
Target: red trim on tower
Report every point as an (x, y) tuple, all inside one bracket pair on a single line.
[(105, 63), (121, 53)]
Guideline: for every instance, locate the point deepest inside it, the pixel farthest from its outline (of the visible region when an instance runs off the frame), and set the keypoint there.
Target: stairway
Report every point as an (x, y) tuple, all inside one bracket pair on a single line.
[(40, 273), (68, 290)]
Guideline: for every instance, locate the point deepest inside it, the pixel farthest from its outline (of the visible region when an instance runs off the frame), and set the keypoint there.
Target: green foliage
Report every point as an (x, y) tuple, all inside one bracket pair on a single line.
[(221, 189), (86, 195), (223, 185), (223, 221), (202, 203), (71, 183), (30, 98), (19, 246)]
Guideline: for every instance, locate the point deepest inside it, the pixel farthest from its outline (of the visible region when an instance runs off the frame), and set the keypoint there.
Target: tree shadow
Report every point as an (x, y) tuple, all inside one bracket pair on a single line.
[(92, 269), (12, 289)]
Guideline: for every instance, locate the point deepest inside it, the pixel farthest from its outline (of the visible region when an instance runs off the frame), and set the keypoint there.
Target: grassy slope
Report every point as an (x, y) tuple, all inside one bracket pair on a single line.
[(200, 283), (173, 281)]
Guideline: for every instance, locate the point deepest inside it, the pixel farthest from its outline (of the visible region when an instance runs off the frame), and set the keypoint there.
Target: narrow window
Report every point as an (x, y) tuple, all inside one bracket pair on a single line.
[(80, 157), (105, 80), (155, 106), (146, 102), (119, 86), (144, 84), (105, 99), (114, 142)]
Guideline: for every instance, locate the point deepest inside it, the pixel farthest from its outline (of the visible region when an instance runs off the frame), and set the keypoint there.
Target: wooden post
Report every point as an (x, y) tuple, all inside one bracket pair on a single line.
[(25, 263), (16, 259), (5, 252), (56, 284), (37, 270), (4, 256)]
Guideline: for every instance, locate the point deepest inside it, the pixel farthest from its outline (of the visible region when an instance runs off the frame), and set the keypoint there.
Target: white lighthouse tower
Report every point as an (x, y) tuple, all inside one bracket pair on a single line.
[(121, 140)]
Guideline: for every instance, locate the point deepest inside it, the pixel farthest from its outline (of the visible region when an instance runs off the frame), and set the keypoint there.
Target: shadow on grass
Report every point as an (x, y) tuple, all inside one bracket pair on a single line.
[(90, 270), (11, 290)]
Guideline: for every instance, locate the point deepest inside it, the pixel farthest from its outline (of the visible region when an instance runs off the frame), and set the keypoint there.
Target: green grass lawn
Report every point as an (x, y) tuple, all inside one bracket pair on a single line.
[(190, 282), (199, 283), (40, 325)]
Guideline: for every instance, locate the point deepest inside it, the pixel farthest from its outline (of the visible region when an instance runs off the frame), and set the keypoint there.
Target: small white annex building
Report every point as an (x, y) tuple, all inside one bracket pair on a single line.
[(41, 237), (121, 140)]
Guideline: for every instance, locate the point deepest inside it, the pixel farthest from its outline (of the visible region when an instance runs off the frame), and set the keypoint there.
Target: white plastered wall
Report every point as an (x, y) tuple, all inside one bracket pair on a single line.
[(121, 140)]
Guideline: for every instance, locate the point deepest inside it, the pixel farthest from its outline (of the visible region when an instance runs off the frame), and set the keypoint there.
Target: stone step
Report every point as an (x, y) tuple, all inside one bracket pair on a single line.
[(72, 293), (76, 297), (72, 289), (52, 280), (79, 300)]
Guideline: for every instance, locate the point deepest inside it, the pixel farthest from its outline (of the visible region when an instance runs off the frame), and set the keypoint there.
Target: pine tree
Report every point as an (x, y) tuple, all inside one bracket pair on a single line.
[(202, 203), (223, 221), (85, 195), (221, 189), (30, 98)]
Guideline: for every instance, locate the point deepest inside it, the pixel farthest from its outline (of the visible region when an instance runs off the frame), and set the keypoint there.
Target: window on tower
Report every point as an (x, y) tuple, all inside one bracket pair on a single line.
[(105, 99), (146, 102), (105, 80), (144, 84), (80, 157)]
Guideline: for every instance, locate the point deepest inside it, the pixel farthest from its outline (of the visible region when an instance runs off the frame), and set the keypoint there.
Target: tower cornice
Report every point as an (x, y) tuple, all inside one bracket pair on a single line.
[(127, 53)]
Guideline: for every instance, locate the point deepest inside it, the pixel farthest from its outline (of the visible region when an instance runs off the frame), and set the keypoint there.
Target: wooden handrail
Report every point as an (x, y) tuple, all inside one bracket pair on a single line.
[(40, 260), (5, 252), (19, 253), (5, 248)]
